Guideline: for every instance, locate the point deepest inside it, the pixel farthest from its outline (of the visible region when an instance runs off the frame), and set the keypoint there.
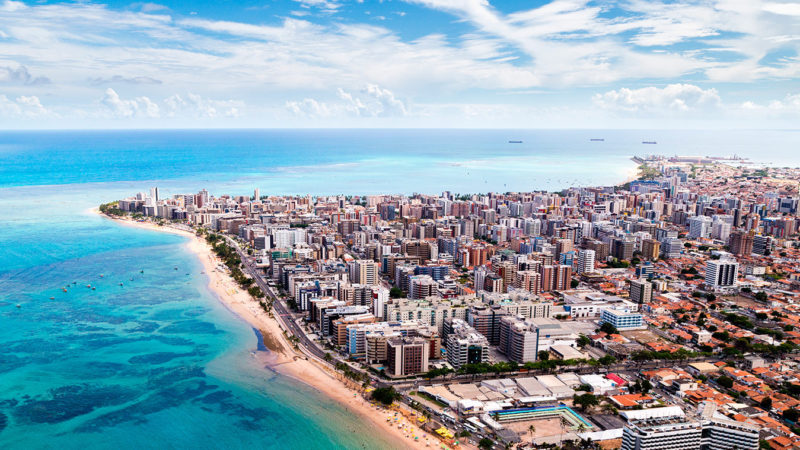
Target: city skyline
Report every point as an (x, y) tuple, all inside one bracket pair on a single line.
[(415, 64)]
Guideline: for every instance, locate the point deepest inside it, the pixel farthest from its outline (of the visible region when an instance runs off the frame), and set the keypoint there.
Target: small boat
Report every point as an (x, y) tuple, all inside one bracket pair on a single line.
[(176, 268), (597, 140), (101, 275), (65, 289), (515, 142), (88, 285), (131, 279), (19, 306), (141, 271), (649, 142), (94, 289), (120, 284), (52, 298)]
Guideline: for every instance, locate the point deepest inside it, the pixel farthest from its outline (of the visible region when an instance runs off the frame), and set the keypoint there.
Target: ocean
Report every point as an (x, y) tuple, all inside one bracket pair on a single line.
[(158, 362)]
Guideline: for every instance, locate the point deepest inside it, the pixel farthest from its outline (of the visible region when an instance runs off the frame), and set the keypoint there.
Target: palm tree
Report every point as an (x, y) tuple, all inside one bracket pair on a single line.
[(564, 424), (531, 430)]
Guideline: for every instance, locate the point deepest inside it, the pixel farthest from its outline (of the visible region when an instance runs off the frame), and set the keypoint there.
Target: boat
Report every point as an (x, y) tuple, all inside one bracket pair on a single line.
[(52, 298), (120, 284), (19, 306), (597, 140), (141, 271), (88, 285), (515, 142), (649, 142), (101, 275), (176, 268), (94, 289), (65, 289)]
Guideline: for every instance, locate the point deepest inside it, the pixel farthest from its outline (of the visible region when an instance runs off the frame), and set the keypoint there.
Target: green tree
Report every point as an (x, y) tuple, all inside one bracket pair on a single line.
[(585, 401), (725, 381), (646, 386), (608, 328), (396, 292), (544, 355), (385, 395), (583, 341), (485, 444), (766, 404), (791, 415), (607, 360)]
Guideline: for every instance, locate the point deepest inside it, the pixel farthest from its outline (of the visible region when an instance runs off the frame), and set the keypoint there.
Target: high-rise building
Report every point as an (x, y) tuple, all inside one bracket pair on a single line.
[(465, 345), (671, 248), (667, 434), (365, 272), (421, 286), (586, 261), (721, 230), (623, 248), (521, 340), (563, 279), (650, 249), (721, 273), (530, 281), (762, 245), (641, 291), (668, 428), (741, 243), (699, 227), (407, 355)]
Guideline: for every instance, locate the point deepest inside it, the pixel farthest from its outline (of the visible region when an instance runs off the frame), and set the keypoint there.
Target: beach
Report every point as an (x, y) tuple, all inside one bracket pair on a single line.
[(283, 358)]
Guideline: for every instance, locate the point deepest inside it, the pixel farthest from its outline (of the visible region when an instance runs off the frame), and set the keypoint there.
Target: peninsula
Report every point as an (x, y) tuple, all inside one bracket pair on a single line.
[(592, 316)]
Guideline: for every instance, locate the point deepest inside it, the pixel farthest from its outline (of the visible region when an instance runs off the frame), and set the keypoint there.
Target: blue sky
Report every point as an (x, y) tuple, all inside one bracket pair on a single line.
[(400, 63)]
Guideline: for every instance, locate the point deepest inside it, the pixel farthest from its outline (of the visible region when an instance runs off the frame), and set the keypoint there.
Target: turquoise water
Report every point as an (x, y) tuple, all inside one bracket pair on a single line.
[(159, 362)]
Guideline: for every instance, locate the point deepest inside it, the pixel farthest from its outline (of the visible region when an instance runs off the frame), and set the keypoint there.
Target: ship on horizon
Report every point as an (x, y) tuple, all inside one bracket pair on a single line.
[(649, 142)]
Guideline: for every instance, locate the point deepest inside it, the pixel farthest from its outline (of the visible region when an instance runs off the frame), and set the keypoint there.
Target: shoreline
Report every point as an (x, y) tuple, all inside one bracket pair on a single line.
[(281, 356)]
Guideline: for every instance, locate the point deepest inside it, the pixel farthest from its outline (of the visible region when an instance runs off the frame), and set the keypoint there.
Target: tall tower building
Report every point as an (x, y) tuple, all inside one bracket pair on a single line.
[(721, 273), (586, 261), (641, 291)]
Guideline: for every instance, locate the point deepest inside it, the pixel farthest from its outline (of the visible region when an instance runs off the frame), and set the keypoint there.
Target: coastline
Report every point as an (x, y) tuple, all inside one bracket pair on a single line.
[(282, 358)]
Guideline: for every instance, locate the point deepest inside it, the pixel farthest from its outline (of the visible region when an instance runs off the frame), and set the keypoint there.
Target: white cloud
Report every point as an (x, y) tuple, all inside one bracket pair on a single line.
[(194, 105), (371, 101), (789, 104), (20, 75), (308, 108), (23, 107), (138, 107), (671, 98), (563, 46), (786, 9), (328, 6)]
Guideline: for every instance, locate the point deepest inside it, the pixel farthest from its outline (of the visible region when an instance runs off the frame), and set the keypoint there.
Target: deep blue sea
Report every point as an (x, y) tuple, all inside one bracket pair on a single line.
[(159, 362)]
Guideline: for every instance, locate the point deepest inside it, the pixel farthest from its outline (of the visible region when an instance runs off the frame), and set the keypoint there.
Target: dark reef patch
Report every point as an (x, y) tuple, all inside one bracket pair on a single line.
[(70, 401)]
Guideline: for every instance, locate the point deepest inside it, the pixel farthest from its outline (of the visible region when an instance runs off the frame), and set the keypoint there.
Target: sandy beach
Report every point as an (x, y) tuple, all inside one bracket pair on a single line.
[(284, 358)]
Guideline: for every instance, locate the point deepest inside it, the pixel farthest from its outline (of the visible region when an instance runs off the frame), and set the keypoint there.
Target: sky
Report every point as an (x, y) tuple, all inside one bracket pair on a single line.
[(400, 63)]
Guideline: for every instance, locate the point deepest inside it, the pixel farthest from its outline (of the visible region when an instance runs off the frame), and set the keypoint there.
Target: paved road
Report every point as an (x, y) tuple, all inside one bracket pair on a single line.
[(312, 348), (285, 316)]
